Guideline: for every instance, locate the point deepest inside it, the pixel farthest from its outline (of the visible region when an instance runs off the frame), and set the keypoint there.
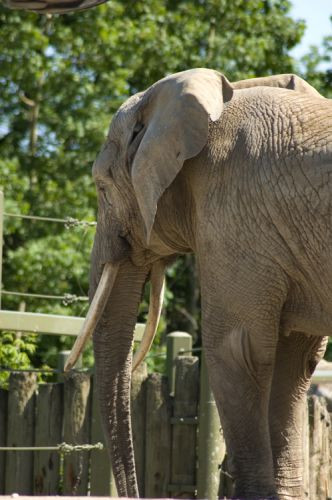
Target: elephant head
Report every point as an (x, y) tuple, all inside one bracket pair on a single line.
[(141, 226), (150, 138)]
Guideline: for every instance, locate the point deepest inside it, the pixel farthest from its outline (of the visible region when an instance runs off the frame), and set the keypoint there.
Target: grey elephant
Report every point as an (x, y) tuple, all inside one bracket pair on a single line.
[(241, 175)]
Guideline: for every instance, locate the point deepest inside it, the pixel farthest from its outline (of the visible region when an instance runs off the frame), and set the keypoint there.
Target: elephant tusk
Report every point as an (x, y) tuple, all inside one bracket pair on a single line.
[(95, 311), (156, 302)]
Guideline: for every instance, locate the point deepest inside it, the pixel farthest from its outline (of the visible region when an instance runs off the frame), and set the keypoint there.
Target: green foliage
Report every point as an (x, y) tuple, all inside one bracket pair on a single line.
[(15, 352), (328, 354), (317, 67), (62, 78)]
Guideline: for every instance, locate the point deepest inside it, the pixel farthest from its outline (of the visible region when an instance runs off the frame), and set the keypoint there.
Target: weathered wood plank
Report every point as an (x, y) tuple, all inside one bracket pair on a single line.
[(48, 432), (314, 429), (324, 475), (183, 472), (320, 449), (76, 431), (158, 437), (138, 412), (20, 432), (3, 434)]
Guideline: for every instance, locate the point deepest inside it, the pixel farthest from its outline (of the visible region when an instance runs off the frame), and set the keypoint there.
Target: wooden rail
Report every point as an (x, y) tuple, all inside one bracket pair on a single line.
[(51, 324)]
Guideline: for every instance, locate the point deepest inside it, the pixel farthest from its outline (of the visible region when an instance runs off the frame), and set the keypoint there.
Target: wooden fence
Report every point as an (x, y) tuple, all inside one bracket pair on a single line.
[(166, 437), (178, 443)]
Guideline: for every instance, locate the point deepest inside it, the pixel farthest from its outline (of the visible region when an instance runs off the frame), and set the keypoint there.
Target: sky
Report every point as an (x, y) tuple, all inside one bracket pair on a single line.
[(317, 14)]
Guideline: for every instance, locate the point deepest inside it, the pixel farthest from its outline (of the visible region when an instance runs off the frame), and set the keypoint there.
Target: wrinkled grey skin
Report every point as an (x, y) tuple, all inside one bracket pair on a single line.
[(242, 177)]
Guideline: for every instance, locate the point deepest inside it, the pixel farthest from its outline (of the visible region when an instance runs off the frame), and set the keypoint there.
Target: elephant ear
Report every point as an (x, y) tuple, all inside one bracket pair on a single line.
[(175, 115)]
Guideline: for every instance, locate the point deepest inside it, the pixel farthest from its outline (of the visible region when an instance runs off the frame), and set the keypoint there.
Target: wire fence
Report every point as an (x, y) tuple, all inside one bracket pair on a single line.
[(63, 448), (67, 299), (46, 371), (69, 222)]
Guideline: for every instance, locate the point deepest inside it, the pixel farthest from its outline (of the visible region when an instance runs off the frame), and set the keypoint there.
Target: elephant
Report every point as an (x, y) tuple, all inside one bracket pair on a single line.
[(240, 174)]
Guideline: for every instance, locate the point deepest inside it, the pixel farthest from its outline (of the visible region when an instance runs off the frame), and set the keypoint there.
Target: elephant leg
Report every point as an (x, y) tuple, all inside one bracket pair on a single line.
[(241, 386), (240, 340), (242, 296), (296, 358)]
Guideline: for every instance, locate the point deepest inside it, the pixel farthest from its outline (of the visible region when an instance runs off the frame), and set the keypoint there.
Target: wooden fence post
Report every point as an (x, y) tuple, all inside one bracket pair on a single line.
[(183, 470), (20, 432), (211, 446), (177, 342), (320, 449), (76, 431), (48, 432), (158, 437), (3, 434)]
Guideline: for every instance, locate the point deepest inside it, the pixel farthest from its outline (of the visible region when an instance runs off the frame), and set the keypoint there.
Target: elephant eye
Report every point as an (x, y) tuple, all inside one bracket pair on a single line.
[(138, 127), (101, 190), (103, 193)]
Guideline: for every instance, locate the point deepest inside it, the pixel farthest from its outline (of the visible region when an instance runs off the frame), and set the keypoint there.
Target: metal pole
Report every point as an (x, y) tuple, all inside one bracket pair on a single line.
[(62, 358), (1, 239), (321, 376), (211, 446), (177, 342)]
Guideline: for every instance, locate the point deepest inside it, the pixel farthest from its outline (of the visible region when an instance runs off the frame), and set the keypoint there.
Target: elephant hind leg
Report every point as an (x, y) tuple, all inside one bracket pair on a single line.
[(296, 357), (240, 361), (242, 299)]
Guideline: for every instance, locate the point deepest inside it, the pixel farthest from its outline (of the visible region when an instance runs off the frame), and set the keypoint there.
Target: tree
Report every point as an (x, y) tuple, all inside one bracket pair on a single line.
[(62, 79), (316, 66), (52, 6)]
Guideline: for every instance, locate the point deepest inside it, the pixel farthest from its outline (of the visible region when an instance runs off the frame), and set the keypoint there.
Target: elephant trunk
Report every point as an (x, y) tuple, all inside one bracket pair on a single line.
[(112, 317), (113, 339)]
